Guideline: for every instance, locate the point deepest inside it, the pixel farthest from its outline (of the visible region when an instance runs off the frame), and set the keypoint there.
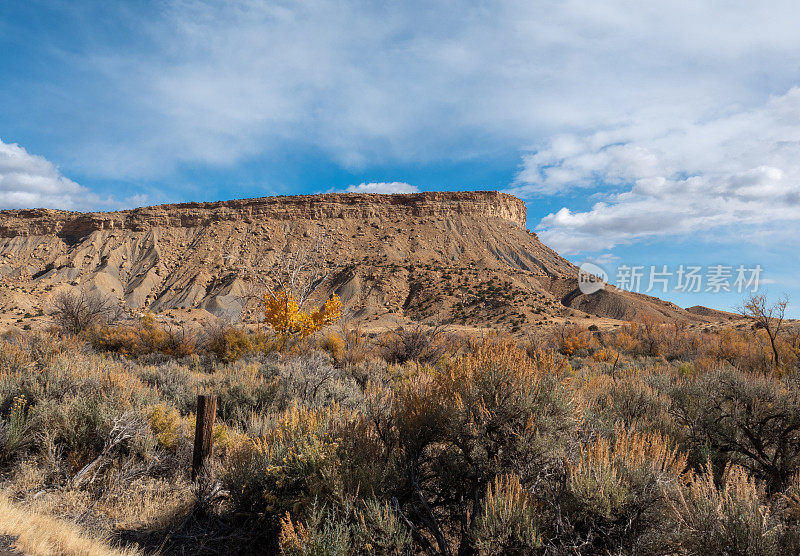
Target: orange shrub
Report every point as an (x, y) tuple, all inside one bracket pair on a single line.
[(623, 339), (147, 336), (124, 340), (605, 355), (334, 344), (570, 339)]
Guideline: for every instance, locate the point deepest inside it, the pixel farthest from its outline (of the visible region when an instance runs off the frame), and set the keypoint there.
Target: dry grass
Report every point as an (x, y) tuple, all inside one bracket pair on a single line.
[(40, 535), (595, 449)]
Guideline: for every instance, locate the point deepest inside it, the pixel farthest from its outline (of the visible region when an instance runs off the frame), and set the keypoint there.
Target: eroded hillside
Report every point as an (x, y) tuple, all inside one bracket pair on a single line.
[(462, 258)]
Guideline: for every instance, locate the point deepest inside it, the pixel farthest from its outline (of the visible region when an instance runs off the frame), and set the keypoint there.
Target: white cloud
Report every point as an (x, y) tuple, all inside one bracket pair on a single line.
[(28, 180), (605, 258), (740, 170), (135, 201), (372, 82), (383, 187), (663, 108), (31, 181)]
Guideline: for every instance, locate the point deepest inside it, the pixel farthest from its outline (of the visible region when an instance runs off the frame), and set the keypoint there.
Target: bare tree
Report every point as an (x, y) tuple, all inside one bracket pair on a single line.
[(768, 317), (298, 271), (75, 311)]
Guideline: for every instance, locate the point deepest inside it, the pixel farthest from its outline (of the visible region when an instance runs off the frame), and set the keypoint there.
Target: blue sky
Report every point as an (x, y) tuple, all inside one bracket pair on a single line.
[(639, 133)]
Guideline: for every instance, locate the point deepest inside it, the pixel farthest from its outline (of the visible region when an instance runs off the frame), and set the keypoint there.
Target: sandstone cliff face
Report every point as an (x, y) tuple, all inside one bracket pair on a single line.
[(475, 204), (463, 258)]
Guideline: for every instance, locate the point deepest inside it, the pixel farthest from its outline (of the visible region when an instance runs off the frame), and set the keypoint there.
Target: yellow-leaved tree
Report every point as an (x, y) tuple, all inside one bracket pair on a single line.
[(285, 316), (296, 276)]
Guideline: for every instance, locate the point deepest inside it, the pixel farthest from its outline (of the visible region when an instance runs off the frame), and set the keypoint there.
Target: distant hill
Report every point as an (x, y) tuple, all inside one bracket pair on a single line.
[(713, 313), (462, 258)]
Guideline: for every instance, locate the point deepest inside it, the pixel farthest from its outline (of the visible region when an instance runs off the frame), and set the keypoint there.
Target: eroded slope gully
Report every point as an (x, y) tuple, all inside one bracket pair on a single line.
[(464, 258)]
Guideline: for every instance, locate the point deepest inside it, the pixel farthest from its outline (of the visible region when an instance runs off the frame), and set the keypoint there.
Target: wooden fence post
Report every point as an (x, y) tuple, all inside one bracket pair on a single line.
[(206, 411)]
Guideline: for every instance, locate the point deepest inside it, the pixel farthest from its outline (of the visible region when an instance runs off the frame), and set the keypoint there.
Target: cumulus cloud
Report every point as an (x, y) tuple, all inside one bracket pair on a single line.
[(28, 180), (365, 82), (383, 187), (740, 169)]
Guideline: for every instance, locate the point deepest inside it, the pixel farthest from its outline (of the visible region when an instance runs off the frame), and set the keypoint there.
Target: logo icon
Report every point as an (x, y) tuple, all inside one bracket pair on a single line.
[(591, 278)]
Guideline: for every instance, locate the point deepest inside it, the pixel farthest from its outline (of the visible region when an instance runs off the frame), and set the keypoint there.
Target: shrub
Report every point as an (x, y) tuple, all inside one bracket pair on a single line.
[(371, 527), (748, 354), (605, 355), (347, 347), (325, 535), (174, 382), (480, 448), (618, 491), (243, 388), (501, 406), (14, 432), (732, 518), (418, 344), (76, 311), (378, 529), (165, 423), (570, 339), (143, 338), (507, 519), (124, 340), (452, 430), (355, 348), (334, 344), (179, 342), (227, 439), (14, 358), (230, 344), (313, 381), (292, 465), (623, 339), (631, 400), (752, 421)]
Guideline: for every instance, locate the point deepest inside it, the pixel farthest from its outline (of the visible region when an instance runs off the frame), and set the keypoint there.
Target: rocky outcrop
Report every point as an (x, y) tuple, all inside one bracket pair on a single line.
[(71, 225)]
